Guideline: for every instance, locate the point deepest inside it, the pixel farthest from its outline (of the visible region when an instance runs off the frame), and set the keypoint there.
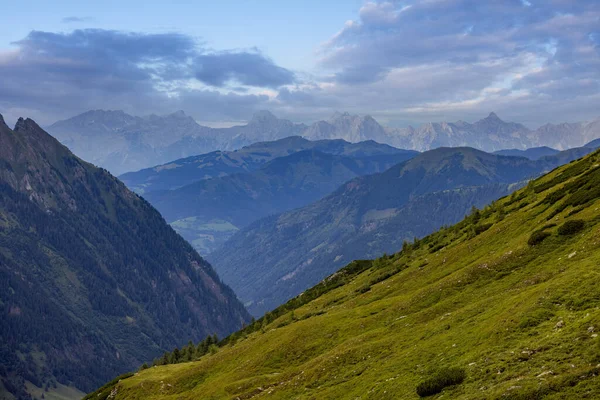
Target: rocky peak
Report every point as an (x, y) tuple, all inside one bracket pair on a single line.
[(3, 125), (178, 114), (263, 116), (26, 127), (493, 117), (340, 115), (30, 129)]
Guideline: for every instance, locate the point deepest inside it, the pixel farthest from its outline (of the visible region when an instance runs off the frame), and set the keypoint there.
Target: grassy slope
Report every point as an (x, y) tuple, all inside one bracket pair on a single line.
[(490, 304)]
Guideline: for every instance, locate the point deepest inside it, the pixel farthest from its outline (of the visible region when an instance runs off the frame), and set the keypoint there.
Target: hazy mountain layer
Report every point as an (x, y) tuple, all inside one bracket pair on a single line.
[(184, 171), (121, 143)]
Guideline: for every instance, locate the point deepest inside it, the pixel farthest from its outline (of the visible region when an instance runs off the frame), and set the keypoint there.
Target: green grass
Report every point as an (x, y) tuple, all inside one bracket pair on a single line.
[(521, 321)]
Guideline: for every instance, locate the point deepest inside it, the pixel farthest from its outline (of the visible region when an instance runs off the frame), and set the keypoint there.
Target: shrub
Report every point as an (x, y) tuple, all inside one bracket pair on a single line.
[(535, 318), (482, 228), (537, 237), (571, 227), (363, 289), (442, 379)]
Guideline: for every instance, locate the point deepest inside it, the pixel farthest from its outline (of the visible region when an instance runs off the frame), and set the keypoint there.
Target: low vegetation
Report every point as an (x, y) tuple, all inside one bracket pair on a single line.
[(571, 227), (440, 380), (537, 237)]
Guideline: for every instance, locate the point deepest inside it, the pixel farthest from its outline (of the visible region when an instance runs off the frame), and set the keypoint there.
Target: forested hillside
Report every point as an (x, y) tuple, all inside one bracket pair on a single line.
[(93, 281)]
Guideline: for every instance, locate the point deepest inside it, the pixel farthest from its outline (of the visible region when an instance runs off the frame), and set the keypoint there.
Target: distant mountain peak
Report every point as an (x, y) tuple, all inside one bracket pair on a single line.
[(103, 112), (493, 117), (337, 115), (262, 116), (178, 114), (369, 118)]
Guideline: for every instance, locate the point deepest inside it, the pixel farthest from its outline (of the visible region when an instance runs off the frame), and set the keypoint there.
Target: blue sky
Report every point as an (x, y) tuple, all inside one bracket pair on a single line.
[(401, 61)]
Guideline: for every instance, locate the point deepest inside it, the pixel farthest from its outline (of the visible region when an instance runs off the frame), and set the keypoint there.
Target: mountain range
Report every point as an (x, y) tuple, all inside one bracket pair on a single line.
[(278, 257), (181, 172), (502, 305), (122, 143), (208, 211), (93, 281)]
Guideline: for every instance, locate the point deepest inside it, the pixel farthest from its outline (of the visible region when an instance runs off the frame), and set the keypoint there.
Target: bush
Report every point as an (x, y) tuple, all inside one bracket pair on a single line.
[(535, 318), (482, 228), (442, 379), (363, 289), (571, 227), (537, 237)]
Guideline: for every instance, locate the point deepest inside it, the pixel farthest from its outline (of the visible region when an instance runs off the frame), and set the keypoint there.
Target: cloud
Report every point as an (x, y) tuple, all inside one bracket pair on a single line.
[(410, 60), (64, 73), (73, 19), (252, 69), (414, 59)]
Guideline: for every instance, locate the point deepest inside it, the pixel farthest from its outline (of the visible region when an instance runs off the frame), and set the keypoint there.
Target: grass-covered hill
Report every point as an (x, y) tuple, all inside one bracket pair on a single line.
[(93, 281), (503, 305)]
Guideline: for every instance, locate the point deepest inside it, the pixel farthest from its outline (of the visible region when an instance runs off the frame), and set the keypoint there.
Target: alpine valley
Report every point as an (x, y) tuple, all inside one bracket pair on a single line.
[(502, 305), (300, 200)]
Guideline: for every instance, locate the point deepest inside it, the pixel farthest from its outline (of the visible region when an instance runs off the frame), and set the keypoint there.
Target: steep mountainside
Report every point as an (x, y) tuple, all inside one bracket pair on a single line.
[(121, 143), (92, 279), (278, 257), (182, 172), (504, 305), (208, 212)]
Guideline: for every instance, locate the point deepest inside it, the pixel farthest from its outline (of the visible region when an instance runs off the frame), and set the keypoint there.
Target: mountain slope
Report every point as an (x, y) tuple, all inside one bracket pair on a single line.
[(208, 212), (185, 171), (278, 257), (480, 308), (92, 279)]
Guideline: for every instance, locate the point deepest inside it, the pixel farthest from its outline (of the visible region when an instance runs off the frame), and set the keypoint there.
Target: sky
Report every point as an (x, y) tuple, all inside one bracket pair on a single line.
[(403, 62)]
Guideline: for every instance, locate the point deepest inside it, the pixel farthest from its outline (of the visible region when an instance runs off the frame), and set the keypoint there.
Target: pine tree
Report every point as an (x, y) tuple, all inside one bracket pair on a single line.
[(475, 215)]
